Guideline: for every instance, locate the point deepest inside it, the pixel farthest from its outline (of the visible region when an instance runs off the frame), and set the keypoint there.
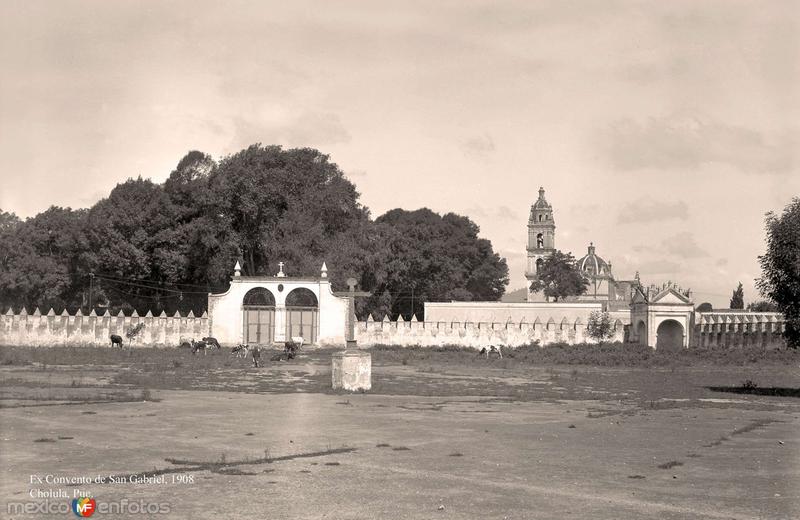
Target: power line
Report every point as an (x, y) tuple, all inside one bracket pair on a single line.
[(152, 287)]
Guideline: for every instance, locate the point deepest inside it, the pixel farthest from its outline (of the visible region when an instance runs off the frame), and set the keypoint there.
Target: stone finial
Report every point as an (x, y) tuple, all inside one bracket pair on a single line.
[(64, 313), (134, 314), (237, 269), (51, 312), (121, 314), (400, 318), (23, 312), (79, 313), (10, 312), (414, 318), (163, 314), (370, 319), (191, 314), (37, 312), (177, 314), (94, 314), (107, 314), (324, 271), (386, 318), (149, 314), (204, 315), (280, 274)]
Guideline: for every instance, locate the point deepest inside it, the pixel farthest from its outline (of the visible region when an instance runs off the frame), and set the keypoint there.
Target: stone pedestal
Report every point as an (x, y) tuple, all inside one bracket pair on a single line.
[(352, 370)]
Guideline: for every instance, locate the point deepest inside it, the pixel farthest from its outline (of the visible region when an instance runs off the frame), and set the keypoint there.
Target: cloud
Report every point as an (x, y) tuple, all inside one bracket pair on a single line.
[(651, 210), (683, 245), (306, 129), (478, 147), (687, 143), (493, 213), (658, 267)]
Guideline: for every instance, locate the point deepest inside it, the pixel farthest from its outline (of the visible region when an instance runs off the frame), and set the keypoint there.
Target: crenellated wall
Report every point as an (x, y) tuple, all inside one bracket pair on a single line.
[(476, 335), (738, 329), (51, 329)]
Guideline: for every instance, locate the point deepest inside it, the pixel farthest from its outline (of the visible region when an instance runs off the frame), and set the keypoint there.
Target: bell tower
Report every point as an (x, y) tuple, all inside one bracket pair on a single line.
[(541, 241)]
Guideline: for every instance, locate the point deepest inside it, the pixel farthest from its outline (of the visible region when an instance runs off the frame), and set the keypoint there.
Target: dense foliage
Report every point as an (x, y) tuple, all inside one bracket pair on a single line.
[(559, 277), (159, 247), (780, 266), (737, 298), (762, 306), (600, 327)]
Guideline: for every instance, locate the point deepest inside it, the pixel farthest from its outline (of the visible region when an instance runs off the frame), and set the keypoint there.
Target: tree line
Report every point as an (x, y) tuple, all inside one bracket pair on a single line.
[(150, 246)]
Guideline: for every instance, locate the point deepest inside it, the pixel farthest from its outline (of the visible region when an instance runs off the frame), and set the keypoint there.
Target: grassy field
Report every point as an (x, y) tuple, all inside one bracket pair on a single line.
[(586, 431)]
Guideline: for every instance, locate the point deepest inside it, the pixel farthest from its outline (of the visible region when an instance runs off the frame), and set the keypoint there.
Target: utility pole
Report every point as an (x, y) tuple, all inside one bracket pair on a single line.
[(91, 287), (412, 302)]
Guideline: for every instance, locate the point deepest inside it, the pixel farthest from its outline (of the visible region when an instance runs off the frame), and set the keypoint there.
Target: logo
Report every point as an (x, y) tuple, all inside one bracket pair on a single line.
[(83, 507)]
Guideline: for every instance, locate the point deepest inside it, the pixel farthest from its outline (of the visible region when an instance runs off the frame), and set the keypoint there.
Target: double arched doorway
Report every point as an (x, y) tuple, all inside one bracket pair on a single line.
[(296, 316)]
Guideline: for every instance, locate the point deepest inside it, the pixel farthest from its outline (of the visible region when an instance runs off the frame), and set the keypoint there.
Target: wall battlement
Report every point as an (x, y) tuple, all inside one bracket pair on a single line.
[(51, 329), (739, 329), (475, 334)]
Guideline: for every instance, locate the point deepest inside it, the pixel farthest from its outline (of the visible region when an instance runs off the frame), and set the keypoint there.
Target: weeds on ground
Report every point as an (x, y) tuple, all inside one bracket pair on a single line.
[(602, 355)]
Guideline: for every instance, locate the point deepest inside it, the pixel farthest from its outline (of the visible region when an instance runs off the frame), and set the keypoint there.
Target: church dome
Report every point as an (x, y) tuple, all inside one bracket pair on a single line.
[(593, 265)]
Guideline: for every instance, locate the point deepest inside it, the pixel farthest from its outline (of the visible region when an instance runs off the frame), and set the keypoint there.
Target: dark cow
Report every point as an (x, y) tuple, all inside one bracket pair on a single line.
[(491, 349), (212, 342), (116, 340), (200, 345), (240, 350), (256, 356)]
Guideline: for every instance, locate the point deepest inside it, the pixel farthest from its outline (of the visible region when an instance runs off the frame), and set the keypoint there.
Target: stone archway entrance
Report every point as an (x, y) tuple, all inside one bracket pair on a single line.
[(259, 316), (669, 336), (302, 315)]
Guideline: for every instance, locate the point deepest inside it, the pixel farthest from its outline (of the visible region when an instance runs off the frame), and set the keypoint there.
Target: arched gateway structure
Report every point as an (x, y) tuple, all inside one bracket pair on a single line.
[(272, 309), (662, 318)]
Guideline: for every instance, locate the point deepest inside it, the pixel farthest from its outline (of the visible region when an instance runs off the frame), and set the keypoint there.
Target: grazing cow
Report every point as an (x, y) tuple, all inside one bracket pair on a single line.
[(212, 342), (185, 344), (291, 347), (491, 348), (240, 350), (116, 340), (200, 345), (256, 356)]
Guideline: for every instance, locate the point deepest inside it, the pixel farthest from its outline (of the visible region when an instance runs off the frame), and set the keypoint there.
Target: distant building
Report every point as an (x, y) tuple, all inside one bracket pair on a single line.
[(603, 287)]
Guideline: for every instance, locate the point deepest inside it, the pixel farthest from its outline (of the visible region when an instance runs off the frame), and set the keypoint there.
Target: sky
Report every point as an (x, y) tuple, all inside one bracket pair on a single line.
[(661, 131)]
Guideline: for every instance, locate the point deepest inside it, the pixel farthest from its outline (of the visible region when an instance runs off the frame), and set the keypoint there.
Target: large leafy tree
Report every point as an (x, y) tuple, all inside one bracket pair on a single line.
[(737, 298), (780, 266), (284, 205), (429, 257), (138, 251), (559, 278), (42, 259), (164, 246)]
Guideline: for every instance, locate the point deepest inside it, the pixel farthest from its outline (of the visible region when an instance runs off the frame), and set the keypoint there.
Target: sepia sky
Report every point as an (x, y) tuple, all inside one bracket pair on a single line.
[(662, 131)]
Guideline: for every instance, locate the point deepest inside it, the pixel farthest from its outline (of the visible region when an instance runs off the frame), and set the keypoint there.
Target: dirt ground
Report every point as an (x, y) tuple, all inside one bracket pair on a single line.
[(435, 439)]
